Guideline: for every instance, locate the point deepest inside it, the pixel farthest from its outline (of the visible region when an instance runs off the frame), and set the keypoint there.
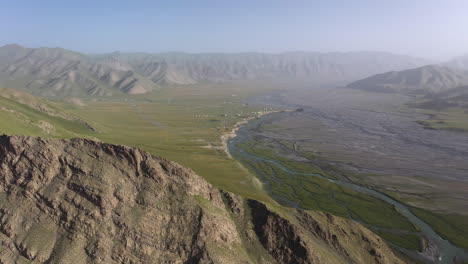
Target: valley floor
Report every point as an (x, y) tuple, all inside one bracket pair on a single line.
[(379, 136), (371, 139)]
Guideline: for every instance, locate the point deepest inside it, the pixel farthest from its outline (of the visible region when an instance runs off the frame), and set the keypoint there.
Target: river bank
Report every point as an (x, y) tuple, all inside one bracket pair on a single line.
[(233, 132), (439, 251)]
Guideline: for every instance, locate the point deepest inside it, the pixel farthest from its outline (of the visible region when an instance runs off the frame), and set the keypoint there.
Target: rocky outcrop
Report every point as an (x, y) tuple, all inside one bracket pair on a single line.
[(314, 237), (80, 201)]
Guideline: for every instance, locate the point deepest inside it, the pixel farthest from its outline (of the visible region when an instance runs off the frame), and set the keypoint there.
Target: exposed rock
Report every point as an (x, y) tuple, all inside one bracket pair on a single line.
[(80, 201), (46, 127), (75, 101), (308, 237), (107, 204)]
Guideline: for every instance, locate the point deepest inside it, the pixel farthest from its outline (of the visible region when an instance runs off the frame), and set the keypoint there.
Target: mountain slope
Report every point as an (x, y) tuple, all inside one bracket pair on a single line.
[(460, 62), (22, 113), (80, 201), (452, 98), (429, 79), (12, 52), (183, 68), (60, 72)]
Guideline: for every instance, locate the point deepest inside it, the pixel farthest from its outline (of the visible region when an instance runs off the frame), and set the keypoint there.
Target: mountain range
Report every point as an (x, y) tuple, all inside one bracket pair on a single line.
[(460, 62), (426, 80), (56, 71), (61, 72), (437, 87)]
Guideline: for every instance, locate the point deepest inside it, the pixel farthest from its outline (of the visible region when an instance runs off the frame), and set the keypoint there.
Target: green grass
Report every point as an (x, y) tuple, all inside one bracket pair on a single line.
[(453, 227), (177, 123), (408, 241), (316, 193), (20, 119), (172, 131)]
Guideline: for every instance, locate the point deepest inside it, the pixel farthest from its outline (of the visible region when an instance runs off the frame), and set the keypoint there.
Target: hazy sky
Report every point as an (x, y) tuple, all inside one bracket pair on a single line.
[(435, 29)]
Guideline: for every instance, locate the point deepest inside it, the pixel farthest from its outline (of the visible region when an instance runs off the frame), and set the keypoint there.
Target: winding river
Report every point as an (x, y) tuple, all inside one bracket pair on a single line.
[(441, 251)]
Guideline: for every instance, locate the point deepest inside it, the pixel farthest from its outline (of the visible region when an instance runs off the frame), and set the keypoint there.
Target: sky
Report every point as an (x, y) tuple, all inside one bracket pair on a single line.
[(435, 29)]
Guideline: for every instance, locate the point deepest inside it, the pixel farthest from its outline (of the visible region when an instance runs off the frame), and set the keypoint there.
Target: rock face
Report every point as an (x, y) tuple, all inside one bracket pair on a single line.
[(317, 238), (80, 201)]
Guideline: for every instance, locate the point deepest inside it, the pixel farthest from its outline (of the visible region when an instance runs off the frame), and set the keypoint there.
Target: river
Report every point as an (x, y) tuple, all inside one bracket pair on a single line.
[(439, 251)]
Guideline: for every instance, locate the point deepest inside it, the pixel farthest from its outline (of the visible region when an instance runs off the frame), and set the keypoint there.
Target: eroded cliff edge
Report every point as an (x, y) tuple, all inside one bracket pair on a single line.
[(80, 201)]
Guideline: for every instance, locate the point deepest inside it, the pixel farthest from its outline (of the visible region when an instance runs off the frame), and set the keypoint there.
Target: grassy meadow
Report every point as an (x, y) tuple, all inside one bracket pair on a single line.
[(183, 124)]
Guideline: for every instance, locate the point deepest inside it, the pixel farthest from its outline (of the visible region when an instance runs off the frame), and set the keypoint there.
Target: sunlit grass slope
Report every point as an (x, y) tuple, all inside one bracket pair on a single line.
[(183, 124)]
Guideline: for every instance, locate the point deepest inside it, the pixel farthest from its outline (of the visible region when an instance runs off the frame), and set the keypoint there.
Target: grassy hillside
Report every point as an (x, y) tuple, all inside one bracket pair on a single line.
[(183, 124), (21, 114)]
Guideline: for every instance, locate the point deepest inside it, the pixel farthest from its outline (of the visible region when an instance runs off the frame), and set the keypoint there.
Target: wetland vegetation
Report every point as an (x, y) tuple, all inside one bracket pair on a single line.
[(315, 193)]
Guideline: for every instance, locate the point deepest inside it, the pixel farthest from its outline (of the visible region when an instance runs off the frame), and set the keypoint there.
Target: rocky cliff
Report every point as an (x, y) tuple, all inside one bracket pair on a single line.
[(80, 201)]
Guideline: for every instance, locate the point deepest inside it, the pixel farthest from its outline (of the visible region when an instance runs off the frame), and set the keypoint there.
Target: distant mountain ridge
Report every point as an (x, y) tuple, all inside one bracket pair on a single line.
[(212, 67), (440, 87), (426, 80), (460, 62), (56, 71), (60, 72)]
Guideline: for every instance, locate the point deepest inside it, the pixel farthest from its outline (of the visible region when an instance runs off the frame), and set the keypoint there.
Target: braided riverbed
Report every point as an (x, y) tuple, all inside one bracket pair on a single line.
[(438, 250)]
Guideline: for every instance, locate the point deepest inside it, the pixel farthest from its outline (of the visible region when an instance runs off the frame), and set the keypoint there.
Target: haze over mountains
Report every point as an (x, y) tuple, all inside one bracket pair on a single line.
[(431, 79), (60, 72), (55, 71), (460, 62), (441, 87)]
